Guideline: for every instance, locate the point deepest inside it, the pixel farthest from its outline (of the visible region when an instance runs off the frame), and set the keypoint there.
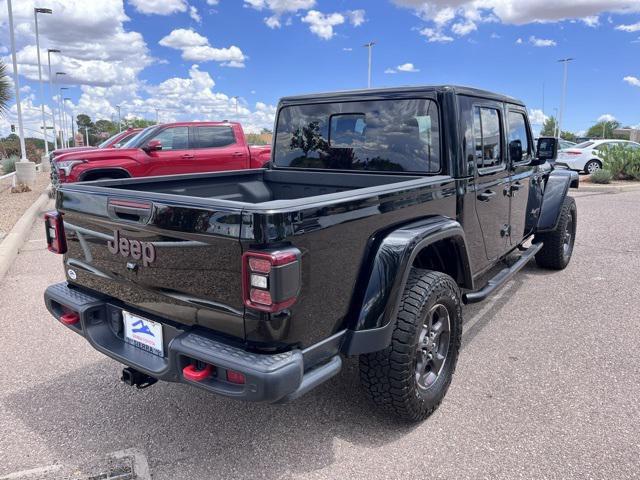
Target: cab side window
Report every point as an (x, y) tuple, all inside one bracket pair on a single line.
[(487, 129), (173, 138), (519, 142), (214, 137)]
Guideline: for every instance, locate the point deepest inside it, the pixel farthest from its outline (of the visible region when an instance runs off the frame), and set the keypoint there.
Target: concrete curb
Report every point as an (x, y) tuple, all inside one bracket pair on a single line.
[(11, 244), (608, 188)]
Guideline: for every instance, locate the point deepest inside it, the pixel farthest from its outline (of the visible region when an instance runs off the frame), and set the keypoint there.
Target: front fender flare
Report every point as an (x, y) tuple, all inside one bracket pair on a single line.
[(555, 191), (373, 311)]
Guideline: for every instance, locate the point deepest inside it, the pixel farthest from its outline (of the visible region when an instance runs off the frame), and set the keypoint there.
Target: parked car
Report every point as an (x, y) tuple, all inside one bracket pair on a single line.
[(115, 141), (587, 156), (562, 144), (166, 149), (380, 215)]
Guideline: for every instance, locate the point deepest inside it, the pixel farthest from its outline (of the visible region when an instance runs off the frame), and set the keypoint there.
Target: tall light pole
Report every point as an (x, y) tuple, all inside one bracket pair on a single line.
[(555, 127), (236, 99), (73, 133), (119, 122), (86, 136), (36, 11), (157, 116), (53, 110), (565, 62), (16, 83), (62, 133), (370, 47)]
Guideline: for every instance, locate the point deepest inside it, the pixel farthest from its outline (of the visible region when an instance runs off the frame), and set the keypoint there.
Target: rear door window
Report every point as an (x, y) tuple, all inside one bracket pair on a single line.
[(487, 127), (384, 135), (213, 137), (519, 143)]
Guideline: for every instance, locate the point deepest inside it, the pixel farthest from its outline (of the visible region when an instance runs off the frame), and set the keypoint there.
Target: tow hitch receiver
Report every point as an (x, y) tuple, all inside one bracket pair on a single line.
[(132, 377)]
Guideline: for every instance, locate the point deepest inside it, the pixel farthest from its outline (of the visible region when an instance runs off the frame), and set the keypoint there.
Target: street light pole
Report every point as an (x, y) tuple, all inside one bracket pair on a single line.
[(157, 116), (119, 122), (16, 82), (62, 132), (53, 110), (73, 133), (565, 62), (236, 99), (370, 47), (86, 136), (36, 11)]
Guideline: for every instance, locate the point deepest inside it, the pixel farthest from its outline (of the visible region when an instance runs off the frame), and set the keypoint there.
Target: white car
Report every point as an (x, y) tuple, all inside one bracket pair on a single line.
[(587, 156)]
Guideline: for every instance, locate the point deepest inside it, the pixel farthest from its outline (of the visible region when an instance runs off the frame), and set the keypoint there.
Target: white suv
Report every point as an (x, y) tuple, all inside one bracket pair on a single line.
[(587, 156)]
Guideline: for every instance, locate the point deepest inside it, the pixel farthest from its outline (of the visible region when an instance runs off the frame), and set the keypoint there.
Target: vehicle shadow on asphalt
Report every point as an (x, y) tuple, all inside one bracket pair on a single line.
[(88, 413)]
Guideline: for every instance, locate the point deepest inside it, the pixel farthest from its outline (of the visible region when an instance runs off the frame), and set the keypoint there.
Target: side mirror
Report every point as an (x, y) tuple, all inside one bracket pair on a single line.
[(153, 146), (515, 150), (546, 150)]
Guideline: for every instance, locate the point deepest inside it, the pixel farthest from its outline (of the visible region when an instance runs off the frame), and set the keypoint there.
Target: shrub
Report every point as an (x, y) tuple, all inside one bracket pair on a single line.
[(601, 176), (9, 164), (623, 161)]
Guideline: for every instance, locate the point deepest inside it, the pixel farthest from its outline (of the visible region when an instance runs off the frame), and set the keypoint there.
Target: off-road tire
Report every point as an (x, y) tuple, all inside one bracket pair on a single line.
[(553, 254), (389, 376)]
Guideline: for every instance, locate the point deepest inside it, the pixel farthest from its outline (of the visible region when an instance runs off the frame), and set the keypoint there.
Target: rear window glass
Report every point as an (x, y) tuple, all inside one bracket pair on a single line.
[(385, 135), (583, 145)]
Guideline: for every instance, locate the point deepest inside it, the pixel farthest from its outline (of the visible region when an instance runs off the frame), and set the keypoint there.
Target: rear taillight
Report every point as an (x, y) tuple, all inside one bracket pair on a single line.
[(54, 228), (571, 152), (271, 280)]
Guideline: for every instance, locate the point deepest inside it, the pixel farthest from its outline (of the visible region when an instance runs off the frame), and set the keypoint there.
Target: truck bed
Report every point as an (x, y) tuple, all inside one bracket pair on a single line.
[(265, 188), (200, 225)]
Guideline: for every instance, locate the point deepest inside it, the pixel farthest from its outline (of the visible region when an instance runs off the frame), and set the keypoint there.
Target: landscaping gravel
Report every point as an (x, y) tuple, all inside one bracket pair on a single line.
[(13, 205)]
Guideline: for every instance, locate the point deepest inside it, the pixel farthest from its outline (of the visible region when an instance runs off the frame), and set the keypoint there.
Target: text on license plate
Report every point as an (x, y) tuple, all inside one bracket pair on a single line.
[(143, 333)]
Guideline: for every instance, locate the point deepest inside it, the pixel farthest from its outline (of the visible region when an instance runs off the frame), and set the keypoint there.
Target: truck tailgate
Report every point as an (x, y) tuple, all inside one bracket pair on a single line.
[(182, 263)]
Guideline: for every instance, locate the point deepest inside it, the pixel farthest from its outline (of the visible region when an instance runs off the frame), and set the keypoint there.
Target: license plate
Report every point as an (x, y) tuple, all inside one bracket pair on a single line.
[(143, 333)]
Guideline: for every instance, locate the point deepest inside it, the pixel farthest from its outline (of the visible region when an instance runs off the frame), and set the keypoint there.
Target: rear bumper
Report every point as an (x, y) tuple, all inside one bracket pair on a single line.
[(271, 378)]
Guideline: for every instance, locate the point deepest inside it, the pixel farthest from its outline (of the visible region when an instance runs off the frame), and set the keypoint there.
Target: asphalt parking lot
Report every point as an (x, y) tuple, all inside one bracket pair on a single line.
[(547, 386)]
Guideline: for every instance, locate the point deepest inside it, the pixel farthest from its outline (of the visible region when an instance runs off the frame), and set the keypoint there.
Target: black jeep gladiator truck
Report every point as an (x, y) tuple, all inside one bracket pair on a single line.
[(380, 214)]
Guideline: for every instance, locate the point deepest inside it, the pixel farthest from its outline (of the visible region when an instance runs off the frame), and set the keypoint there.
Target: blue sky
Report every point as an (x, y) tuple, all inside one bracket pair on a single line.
[(190, 57)]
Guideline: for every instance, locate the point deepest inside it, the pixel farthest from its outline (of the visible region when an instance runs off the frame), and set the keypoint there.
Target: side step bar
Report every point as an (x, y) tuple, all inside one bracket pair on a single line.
[(502, 276)]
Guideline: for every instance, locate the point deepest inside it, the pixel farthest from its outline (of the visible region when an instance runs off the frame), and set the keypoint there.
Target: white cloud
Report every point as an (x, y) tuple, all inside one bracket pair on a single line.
[(322, 24), (407, 67), (196, 48), (607, 117), (193, 13), (541, 42), (495, 35), (347, 49), (634, 81), (463, 28), (159, 7), (279, 8), (634, 27), (435, 35), (591, 21), (213, 2), (192, 98), (537, 116), (390, 71), (97, 50), (520, 12), (356, 17), (519, 41)]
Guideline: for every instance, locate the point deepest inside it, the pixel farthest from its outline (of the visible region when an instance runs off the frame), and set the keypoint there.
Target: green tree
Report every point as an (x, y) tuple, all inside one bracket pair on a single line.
[(604, 129), (549, 127), (136, 123), (572, 137), (5, 89)]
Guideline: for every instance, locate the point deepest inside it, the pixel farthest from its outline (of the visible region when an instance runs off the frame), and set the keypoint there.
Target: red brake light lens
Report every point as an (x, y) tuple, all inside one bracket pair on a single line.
[(235, 377), (54, 229), (271, 280)]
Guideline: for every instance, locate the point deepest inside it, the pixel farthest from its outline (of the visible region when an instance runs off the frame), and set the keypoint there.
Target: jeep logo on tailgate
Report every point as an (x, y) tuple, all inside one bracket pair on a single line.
[(132, 248)]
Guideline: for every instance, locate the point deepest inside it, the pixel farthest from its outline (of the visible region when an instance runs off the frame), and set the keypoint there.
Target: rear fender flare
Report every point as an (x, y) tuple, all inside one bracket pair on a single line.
[(373, 312), (555, 191)]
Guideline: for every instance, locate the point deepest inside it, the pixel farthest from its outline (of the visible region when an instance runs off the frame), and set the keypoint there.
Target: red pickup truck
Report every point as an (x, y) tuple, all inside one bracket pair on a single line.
[(166, 149), (115, 141)]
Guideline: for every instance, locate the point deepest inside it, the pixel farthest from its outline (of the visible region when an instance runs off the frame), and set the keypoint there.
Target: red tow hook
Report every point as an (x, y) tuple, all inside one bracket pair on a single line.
[(70, 318), (190, 372)]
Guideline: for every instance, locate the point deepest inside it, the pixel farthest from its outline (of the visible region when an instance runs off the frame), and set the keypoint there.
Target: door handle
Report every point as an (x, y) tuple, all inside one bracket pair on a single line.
[(486, 195), (188, 156), (238, 154)]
